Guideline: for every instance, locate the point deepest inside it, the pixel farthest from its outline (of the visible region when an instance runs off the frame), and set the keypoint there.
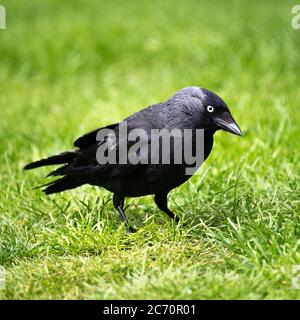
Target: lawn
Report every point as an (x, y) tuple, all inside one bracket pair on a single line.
[(67, 67)]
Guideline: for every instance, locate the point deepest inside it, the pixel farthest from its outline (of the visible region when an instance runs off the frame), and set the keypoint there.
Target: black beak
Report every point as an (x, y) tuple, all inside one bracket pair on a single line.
[(227, 123)]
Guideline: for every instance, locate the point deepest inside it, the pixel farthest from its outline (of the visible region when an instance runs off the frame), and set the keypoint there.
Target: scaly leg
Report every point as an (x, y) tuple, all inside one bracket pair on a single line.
[(162, 202), (118, 202)]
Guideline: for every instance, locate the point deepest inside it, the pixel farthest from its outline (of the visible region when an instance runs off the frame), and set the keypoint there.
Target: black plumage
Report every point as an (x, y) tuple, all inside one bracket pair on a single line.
[(190, 108)]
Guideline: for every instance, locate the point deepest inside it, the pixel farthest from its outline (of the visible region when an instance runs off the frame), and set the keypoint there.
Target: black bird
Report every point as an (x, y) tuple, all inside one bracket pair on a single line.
[(190, 108)]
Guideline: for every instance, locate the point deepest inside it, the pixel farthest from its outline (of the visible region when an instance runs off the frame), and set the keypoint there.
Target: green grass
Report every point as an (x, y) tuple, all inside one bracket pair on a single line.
[(71, 66)]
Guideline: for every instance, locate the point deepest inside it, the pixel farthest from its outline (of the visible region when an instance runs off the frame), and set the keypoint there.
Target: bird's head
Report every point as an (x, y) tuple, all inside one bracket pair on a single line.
[(206, 108)]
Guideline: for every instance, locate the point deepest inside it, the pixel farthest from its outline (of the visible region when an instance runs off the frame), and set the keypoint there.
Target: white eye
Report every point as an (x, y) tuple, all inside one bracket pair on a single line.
[(210, 108)]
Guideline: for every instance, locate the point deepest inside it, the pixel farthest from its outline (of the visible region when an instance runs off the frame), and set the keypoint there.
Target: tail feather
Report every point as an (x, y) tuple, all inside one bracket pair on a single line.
[(62, 184), (69, 169), (65, 157)]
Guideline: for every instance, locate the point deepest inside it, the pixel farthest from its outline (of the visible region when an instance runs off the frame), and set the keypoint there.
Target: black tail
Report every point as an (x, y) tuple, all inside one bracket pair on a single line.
[(62, 184), (65, 157)]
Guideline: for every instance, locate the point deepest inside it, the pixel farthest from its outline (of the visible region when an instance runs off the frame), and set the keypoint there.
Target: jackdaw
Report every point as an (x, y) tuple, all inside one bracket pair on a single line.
[(191, 108)]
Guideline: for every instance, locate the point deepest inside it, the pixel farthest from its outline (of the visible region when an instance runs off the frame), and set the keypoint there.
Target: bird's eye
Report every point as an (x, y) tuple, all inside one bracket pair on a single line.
[(210, 108)]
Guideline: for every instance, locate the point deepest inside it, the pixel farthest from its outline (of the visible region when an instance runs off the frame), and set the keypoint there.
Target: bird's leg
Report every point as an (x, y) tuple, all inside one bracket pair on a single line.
[(118, 202), (161, 201)]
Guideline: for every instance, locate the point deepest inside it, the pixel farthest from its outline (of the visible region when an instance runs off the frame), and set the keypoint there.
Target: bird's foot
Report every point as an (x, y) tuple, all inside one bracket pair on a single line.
[(176, 219), (131, 230)]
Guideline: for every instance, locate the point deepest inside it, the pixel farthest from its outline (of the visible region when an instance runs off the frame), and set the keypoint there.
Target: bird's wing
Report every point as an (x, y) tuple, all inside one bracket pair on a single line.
[(86, 162), (89, 138), (146, 119)]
